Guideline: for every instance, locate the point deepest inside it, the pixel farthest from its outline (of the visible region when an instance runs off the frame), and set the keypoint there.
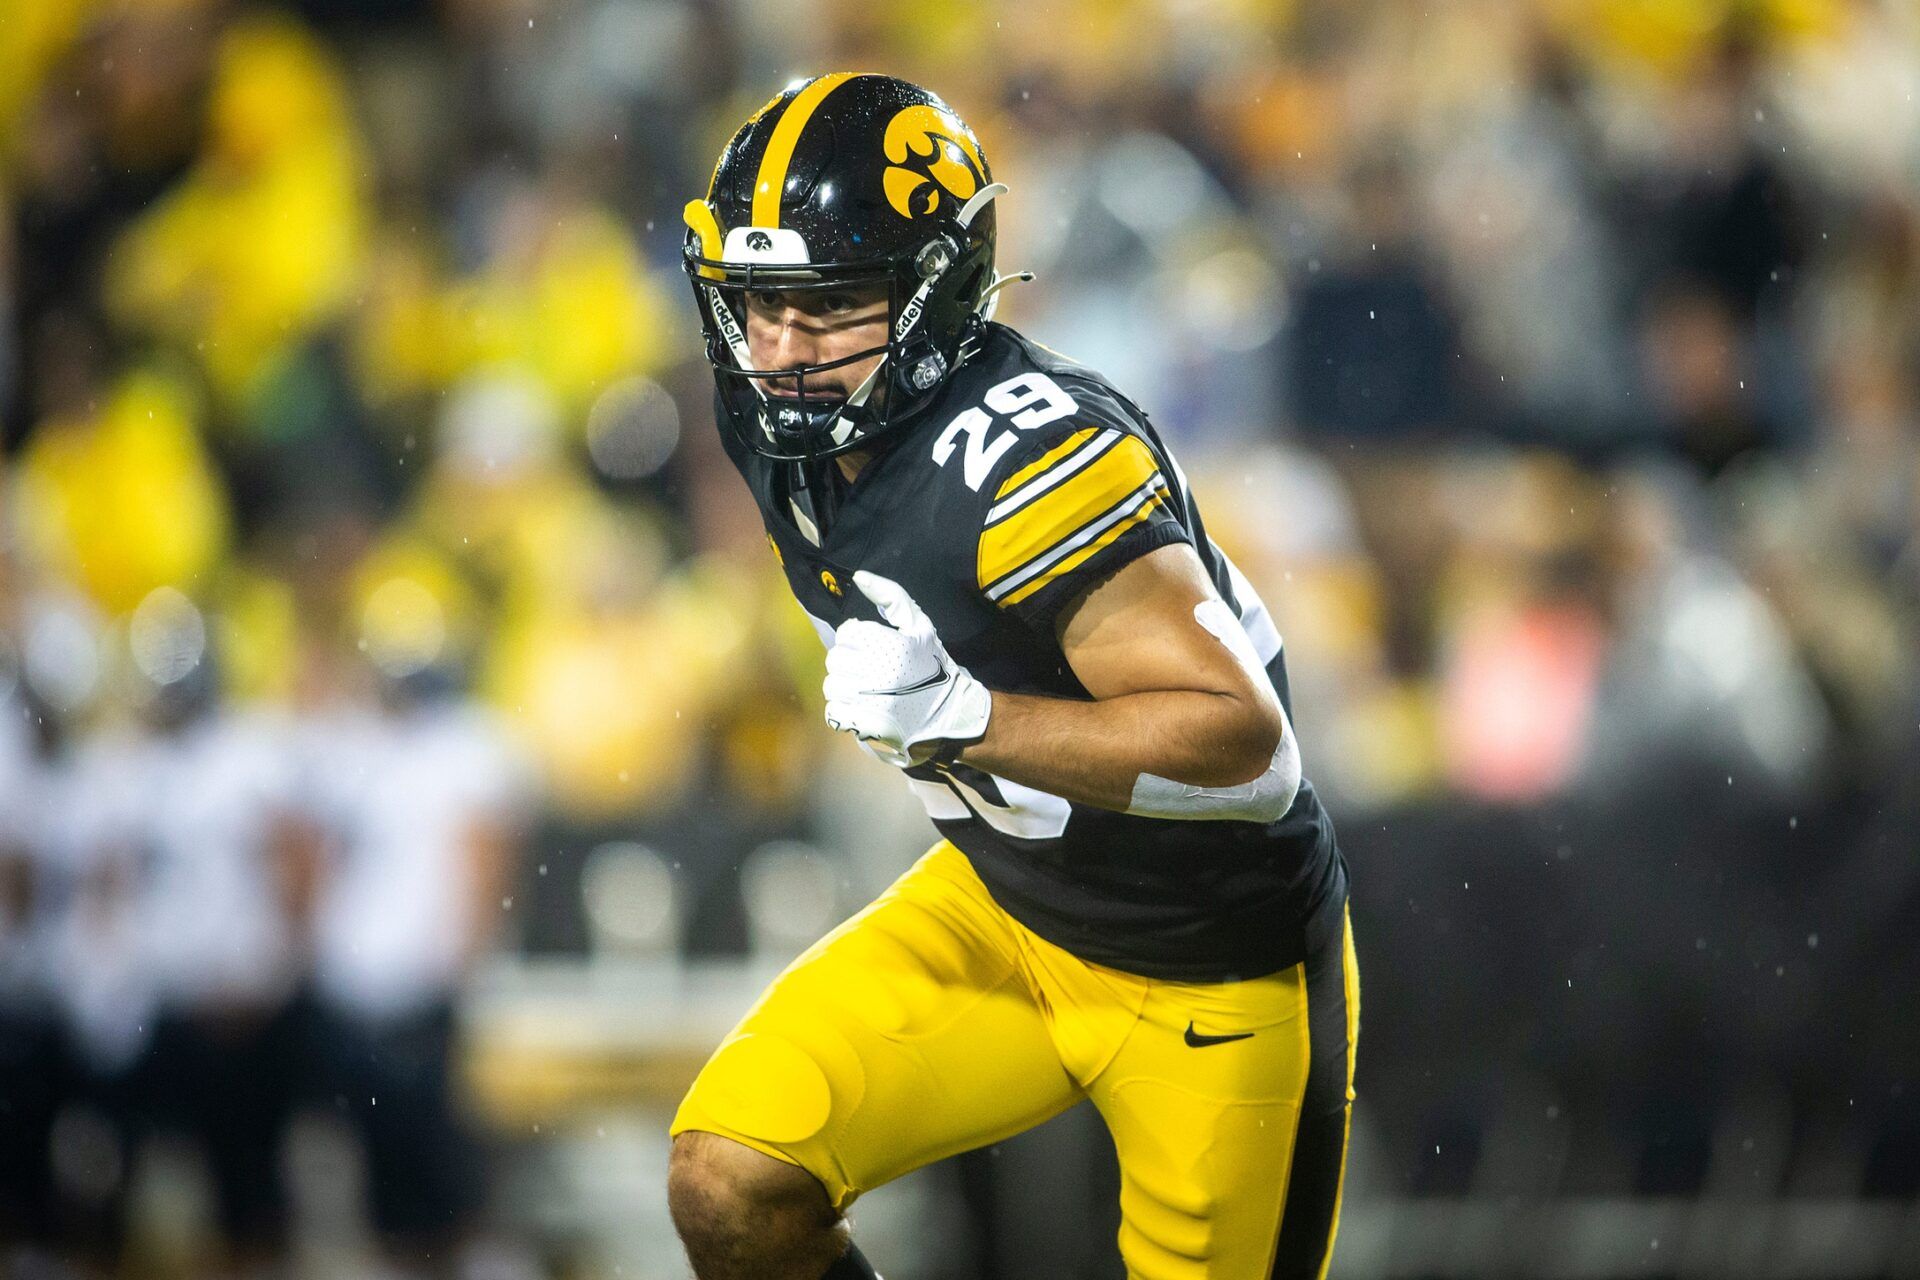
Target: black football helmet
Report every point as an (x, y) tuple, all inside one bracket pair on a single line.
[(844, 181)]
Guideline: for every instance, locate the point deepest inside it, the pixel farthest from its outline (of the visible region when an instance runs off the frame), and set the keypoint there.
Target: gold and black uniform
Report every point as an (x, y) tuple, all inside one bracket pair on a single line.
[(993, 522), (1195, 947), (1194, 979)]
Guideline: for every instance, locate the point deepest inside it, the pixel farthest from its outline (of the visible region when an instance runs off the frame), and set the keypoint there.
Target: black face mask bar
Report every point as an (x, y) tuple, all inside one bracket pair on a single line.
[(796, 417), (807, 423)]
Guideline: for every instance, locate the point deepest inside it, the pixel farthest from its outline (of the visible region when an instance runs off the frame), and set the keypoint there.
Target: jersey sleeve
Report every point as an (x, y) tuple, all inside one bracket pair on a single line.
[(1067, 511)]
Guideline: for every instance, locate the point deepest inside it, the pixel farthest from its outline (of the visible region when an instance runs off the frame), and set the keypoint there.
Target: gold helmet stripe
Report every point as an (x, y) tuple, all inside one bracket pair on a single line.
[(786, 136)]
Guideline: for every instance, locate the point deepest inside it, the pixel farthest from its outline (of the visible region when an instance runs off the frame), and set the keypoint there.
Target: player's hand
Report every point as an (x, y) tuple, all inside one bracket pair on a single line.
[(894, 687)]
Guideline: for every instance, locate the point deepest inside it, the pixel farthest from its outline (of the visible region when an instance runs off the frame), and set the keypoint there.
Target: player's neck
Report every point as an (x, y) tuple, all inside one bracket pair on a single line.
[(853, 462)]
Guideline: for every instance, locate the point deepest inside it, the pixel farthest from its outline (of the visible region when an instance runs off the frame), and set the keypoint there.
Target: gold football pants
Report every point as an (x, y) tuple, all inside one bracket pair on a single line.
[(932, 1023)]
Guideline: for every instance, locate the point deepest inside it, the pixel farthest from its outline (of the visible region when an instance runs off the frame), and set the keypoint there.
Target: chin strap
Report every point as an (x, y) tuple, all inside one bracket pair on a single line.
[(842, 428)]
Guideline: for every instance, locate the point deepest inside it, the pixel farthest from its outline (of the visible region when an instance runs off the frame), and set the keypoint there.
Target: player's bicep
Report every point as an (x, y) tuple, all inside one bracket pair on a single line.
[(1157, 624), (1157, 627)]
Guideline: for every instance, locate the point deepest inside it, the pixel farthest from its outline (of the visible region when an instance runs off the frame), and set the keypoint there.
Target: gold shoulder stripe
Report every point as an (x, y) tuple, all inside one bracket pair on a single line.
[(1132, 517), (1064, 509), (1062, 471), (786, 136), (1045, 460)]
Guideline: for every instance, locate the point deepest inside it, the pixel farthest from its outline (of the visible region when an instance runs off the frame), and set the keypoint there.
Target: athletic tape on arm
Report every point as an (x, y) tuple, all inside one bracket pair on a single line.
[(1263, 799)]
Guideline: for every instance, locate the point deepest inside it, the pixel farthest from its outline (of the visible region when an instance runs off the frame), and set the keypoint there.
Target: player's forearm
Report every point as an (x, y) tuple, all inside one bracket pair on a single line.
[(1094, 753)]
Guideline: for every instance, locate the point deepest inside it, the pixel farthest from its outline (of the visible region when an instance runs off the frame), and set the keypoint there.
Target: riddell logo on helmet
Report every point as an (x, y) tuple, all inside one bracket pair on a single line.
[(910, 316), (944, 159)]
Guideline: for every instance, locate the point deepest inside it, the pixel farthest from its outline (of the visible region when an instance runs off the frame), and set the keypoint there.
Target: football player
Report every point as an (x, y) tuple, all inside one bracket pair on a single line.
[(1136, 897)]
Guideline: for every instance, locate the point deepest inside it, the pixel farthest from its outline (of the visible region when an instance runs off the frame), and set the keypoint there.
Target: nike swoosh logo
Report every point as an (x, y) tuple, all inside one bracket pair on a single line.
[(938, 677), (1197, 1041)]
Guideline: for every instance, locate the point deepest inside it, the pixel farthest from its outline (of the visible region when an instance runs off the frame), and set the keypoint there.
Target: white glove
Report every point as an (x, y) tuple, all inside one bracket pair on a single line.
[(894, 687)]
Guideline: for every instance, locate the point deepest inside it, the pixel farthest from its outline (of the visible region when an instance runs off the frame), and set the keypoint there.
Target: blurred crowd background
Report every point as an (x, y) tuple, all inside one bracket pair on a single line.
[(410, 761)]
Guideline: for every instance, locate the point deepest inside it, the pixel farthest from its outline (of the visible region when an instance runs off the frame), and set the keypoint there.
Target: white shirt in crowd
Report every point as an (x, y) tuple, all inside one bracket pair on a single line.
[(91, 851), (22, 977), (401, 796), (218, 933), (157, 885), (16, 766)]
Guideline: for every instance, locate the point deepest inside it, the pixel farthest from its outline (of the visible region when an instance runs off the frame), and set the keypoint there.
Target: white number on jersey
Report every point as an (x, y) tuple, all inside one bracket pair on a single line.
[(1027, 814), (1028, 401), (975, 424), (1031, 400)]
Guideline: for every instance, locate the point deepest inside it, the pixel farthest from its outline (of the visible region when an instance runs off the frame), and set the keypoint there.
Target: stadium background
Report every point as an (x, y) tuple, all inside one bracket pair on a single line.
[(399, 693)]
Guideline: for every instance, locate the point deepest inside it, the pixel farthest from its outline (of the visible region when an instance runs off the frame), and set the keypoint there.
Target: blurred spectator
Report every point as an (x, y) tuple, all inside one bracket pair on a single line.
[(1732, 206), (422, 802), (124, 499), (100, 113), (1702, 680), (30, 1059), (224, 870), (1863, 480), (1831, 543), (261, 240), (1527, 639), (1520, 205), (1374, 353), (94, 811), (1703, 377)]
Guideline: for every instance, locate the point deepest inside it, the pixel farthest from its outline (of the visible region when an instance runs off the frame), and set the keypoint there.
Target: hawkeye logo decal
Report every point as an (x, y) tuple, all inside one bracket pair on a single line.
[(929, 153)]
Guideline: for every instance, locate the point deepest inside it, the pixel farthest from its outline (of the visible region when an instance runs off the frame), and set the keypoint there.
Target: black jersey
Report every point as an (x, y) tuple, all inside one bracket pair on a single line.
[(1029, 479)]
